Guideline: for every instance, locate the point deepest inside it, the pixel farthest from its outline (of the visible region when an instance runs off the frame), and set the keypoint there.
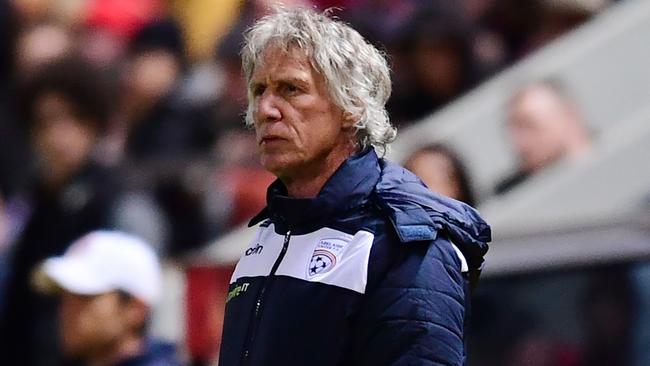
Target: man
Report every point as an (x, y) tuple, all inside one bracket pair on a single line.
[(108, 282), (353, 263), (544, 127)]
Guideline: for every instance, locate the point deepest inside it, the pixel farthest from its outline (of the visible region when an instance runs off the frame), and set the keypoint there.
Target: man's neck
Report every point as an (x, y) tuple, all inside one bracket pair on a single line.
[(310, 182), (307, 188)]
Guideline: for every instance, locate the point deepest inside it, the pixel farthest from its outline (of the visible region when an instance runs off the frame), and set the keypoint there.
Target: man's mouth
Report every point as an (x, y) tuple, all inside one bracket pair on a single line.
[(270, 140)]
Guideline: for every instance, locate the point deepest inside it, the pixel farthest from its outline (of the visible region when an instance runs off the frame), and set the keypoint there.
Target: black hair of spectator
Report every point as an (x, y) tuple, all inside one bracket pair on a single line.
[(433, 22), (437, 23), (84, 87), (460, 170), (515, 21), (164, 34), (442, 24)]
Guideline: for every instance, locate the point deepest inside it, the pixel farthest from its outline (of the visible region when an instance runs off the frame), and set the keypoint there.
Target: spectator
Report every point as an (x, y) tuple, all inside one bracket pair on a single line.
[(512, 23), (232, 99), (437, 47), (161, 126), (544, 126), (159, 123), (40, 45), (108, 283), (31, 49), (442, 171), (66, 109), (560, 16)]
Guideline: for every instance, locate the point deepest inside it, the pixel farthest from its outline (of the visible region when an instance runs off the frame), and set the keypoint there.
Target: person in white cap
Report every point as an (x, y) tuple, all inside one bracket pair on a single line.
[(108, 282)]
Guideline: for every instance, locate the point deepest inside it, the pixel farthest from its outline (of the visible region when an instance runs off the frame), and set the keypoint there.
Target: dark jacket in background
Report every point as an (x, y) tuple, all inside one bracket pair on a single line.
[(373, 271), (29, 333)]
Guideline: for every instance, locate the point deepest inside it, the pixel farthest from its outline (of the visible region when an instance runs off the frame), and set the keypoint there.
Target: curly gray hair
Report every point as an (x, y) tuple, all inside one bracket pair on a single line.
[(357, 74)]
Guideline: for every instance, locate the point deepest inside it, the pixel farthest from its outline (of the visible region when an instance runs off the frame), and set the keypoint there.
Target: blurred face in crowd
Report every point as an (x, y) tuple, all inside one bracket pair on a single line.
[(94, 326), (101, 47), (298, 127), (437, 171), (61, 139), (438, 68), (151, 75), (39, 45), (540, 125)]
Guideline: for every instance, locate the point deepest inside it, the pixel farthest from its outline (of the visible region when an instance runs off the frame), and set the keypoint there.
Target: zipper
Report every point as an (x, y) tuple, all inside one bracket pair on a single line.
[(257, 310)]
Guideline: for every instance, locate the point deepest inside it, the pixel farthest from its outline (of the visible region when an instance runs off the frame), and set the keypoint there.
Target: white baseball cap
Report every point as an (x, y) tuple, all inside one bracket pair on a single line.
[(105, 261)]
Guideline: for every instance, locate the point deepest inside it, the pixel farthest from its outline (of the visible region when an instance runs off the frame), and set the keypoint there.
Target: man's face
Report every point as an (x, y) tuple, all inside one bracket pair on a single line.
[(91, 325), (298, 127), (537, 126)]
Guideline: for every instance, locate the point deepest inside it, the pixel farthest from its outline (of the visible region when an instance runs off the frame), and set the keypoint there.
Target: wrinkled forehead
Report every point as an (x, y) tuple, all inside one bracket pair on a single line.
[(290, 50), (277, 64), (275, 51)]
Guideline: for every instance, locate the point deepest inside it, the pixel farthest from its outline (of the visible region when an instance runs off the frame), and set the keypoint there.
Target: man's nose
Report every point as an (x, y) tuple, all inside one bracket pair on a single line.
[(267, 108)]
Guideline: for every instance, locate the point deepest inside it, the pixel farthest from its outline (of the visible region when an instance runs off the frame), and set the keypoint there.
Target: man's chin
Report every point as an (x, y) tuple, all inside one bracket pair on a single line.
[(277, 165)]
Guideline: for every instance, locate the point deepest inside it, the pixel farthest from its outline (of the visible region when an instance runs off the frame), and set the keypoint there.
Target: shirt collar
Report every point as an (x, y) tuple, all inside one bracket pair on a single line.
[(348, 187)]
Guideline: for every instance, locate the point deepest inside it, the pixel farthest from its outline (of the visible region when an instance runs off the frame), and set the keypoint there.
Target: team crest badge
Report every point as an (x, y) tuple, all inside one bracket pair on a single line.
[(325, 257)]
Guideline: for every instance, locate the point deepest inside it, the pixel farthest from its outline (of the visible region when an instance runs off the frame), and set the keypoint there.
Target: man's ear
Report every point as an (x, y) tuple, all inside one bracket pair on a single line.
[(349, 120)]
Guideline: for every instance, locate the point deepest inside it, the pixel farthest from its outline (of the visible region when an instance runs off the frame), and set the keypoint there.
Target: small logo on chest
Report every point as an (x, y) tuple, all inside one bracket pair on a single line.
[(326, 255), (257, 249)]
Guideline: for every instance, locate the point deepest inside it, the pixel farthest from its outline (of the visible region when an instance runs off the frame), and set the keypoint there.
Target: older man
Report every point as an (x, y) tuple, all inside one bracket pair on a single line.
[(355, 262)]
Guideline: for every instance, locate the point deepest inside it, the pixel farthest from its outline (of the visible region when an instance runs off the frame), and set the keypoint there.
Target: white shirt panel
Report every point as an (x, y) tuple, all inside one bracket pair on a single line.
[(325, 255)]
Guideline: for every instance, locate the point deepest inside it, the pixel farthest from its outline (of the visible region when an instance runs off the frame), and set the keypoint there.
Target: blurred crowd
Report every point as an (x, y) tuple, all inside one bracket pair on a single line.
[(589, 316), (128, 115)]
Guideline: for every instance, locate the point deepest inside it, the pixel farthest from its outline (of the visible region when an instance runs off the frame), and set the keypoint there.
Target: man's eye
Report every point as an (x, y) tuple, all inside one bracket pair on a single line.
[(291, 89), (258, 90)]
